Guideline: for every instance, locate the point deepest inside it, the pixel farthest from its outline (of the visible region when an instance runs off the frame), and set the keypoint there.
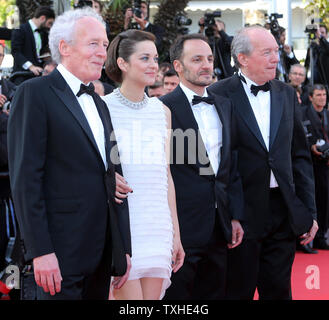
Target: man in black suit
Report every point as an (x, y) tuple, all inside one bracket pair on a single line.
[(30, 40), (7, 88), (61, 169), (318, 134), (287, 56), (275, 168), (208, 190)]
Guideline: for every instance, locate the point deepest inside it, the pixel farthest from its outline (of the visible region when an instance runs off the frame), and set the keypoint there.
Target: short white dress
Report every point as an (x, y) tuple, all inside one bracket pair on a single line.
[(141, 130)]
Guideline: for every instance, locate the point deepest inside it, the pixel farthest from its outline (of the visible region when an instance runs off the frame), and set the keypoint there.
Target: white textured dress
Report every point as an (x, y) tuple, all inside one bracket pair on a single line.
[(141, 131)]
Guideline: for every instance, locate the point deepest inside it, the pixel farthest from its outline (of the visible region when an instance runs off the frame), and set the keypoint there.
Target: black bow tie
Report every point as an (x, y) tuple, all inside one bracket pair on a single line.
[(198, 99), (90, 89), (255, 89)]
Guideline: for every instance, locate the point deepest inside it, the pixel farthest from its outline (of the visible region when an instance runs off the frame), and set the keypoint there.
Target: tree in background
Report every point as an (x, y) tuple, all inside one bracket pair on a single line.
[(168, 10), (6, 10), (114, 15), (319, 9), (166, 17)]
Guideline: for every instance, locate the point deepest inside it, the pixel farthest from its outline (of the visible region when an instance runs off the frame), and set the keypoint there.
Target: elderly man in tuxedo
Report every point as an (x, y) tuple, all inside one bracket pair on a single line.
[(208, 189), (275, 167), (61, 169)]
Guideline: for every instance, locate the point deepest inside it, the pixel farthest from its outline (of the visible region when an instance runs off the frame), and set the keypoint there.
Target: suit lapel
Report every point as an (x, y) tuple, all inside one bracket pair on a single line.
[(183, 110), (185, 117), (32, 39), (243, 106), (276, 112), (65, 94)]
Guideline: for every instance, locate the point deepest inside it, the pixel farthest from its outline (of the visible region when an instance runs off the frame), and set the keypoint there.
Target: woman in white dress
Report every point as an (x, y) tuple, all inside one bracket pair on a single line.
[(142, 130)]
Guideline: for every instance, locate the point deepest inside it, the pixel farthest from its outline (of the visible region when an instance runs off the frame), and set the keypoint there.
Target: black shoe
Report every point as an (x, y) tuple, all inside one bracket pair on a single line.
[(307, 249), (320, 244)]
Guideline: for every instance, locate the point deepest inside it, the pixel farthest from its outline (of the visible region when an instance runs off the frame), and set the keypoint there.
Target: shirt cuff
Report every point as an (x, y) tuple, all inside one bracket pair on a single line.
[(27, 65)]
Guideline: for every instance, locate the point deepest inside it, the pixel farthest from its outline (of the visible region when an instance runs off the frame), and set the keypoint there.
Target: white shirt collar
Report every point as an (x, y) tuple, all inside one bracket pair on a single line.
[(189, 93), (248, 81), (73, 82), (32, 24)]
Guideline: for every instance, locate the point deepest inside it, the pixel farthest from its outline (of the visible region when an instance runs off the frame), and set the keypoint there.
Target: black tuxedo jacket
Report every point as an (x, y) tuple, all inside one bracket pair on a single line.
[(7, 88), (57, 180), (288, 157), (23, 46), (315, 128), (198, 189)]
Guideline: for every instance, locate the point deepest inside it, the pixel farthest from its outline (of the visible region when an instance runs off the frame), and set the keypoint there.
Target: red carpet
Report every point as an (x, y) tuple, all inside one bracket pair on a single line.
[(310, 276)]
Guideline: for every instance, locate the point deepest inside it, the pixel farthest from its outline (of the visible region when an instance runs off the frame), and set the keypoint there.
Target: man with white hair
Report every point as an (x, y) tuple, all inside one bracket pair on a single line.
[(61, 173), (275, 168)]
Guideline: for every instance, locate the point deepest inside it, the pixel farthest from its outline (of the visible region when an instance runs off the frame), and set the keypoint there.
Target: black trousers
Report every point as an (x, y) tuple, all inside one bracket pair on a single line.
[(264, 263), (321, 179), (203, 274), (93, 286)]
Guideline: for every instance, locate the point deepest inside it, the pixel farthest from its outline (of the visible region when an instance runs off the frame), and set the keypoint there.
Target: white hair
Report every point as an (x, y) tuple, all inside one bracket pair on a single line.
[(242, 43), (64, 26)]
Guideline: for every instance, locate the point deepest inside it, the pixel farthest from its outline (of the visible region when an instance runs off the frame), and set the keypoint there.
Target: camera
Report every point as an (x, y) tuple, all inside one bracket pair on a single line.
[(209, 22), (274, 24), (181, 20), (312, 28), (82, 4), (323, 147), (137, 8)]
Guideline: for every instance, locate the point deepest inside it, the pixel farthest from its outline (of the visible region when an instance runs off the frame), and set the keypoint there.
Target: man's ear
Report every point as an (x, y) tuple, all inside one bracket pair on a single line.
[(122, 64), (64, 48), (177, 66), (243, 59)]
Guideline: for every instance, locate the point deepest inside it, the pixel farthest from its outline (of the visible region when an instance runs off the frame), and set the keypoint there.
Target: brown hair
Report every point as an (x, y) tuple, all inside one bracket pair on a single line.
[(176, 49), (123, 46)]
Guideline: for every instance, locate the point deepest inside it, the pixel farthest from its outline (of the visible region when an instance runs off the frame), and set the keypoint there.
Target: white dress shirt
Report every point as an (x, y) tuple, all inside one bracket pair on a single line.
[(261, 106), (89, 109), (210, 126)]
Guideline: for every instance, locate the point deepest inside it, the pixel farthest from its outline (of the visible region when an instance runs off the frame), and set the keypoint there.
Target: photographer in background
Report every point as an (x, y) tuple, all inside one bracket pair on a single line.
[(140, 13), (297, 77), (320, 54), (30, 41), (287, 56), (220, 42), (7, 90), (318, 132)]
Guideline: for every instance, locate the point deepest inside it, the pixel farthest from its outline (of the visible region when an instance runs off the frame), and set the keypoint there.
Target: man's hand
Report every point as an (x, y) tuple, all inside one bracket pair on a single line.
[(3, 100), (237, 234), (118, 282), (309, 236), (315, 151), (47, 273), (287, 49), (122, 188), (141, 21), (36, 70)]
